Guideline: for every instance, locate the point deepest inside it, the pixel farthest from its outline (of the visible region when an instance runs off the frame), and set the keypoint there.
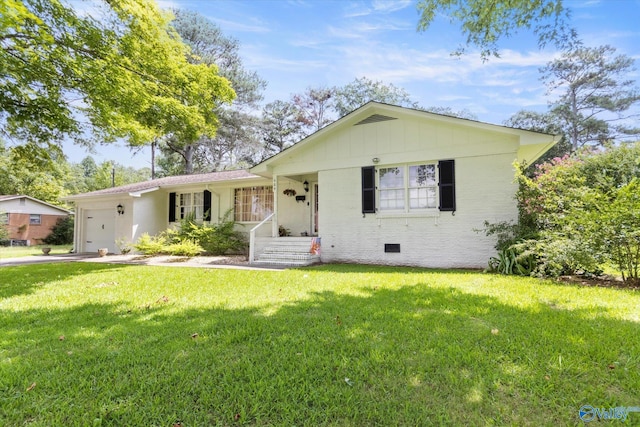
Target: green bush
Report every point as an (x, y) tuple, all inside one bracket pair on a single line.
[(577, 214), (191, 239), (61, 232), (186, 248), (150, 245), (222, 238), (512, 261)]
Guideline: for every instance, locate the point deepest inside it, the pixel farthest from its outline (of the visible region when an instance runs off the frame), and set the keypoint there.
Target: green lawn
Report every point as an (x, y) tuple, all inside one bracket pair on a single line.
[(105, 345), (24, 251)]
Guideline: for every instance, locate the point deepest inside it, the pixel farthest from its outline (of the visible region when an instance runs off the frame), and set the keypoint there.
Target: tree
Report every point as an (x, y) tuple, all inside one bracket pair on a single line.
[(357, 93), (280, 126), (595, 95), (314, 106), (61, 233), (448, 111), (28, 169), (284, 123), (236, 130), (4, 231), (125, 73), (88, 176), (484, 23)]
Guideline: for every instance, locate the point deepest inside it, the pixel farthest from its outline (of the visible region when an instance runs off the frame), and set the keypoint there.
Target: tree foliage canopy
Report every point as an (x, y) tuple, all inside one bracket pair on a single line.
[(26, 169), (595, 94), (484, 22), (237, 131), (362, 90), (126, 72)]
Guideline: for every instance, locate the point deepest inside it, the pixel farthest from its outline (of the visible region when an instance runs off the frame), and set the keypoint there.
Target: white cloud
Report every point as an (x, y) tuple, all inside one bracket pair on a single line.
[(233, 26), (387, 6)]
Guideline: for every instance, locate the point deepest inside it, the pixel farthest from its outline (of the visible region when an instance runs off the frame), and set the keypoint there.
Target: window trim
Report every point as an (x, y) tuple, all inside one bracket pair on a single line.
[(176, 209), (268, 205), (33, 220), (407, 211)]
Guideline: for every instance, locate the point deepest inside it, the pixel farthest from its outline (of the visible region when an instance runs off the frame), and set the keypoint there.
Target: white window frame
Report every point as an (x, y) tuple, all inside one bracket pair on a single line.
[(190, 203), (252, 204), (35, 219), (403, 205)]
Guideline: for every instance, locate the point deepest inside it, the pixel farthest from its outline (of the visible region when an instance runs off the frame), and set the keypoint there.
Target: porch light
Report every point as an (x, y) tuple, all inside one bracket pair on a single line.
[(375, 160), (120, 209), (306, 186)]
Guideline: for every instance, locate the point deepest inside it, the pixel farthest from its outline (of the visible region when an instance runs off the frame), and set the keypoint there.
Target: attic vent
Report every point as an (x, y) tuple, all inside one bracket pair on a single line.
[(375, 118)]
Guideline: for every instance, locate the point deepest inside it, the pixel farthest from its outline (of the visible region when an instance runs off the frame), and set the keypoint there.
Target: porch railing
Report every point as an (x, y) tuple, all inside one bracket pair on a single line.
[(252, 237)]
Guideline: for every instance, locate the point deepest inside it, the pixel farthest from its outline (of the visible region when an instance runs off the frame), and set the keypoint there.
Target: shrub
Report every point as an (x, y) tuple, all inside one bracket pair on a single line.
[(187, 248), (61, 232), (4, 232), (191, 239), (150, 245), (222, 238), (575, 215)]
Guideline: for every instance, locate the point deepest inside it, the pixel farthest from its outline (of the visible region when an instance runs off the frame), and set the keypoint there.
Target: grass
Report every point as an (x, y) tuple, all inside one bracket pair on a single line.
[(24, 251), (105, 345)]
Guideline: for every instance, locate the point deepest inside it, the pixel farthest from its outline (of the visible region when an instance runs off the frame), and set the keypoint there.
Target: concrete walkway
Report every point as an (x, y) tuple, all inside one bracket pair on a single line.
[(226, 262)]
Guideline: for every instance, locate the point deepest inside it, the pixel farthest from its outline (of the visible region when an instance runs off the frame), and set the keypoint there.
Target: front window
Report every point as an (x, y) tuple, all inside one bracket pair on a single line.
[(191, 205), (34, 219), (253, 203), (407, 188), (422, 186), (392, 187)]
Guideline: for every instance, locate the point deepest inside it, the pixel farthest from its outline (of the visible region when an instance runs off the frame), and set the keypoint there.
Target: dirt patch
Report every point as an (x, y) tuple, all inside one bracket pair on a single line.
[(600, 281)]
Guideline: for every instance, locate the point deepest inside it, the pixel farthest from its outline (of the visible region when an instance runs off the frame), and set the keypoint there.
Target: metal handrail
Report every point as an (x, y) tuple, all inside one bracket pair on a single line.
[(252, 237)]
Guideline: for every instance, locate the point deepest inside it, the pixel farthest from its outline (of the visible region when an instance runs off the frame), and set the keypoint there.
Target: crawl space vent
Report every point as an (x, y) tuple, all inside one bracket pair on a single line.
[(392, 247), (375, 118)]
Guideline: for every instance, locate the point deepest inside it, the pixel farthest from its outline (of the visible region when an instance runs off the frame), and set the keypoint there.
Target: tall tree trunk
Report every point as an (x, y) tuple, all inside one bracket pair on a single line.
[(188, 158)]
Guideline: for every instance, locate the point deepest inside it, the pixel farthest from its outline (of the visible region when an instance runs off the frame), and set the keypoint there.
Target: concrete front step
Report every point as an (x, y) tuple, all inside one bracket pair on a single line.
[(288, 255), (290, 251)]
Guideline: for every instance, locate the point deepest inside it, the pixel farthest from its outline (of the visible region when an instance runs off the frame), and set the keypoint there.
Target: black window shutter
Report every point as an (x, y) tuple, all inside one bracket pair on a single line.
[(447, 184), (207, 205), (368, 189), (172, 207)]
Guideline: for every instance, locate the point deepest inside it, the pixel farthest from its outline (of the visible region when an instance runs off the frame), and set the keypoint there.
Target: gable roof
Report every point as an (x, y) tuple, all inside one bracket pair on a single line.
[(5, 198), (166, 182), (532, 144)]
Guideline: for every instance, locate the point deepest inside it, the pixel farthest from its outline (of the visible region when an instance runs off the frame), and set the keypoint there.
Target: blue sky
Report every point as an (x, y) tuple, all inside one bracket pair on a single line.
[(295, 44)]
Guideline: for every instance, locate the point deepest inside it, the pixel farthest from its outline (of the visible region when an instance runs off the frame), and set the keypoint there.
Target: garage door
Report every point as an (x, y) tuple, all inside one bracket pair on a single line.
[(99, 229)]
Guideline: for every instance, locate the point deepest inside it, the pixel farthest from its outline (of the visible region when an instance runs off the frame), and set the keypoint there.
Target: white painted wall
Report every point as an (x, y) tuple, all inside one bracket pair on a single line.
[(485, 190), (150, 215), (293, 215)]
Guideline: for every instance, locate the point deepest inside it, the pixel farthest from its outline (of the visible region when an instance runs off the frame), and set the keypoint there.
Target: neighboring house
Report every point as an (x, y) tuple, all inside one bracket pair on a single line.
[(29, 220), (382, 185)]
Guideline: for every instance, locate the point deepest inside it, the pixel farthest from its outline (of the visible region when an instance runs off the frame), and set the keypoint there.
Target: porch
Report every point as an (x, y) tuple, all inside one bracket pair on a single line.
[(264, 249)]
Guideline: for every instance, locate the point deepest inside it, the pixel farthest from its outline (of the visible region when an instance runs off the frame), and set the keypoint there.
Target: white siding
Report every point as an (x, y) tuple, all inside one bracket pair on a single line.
[(484, 191), (150, 215)]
